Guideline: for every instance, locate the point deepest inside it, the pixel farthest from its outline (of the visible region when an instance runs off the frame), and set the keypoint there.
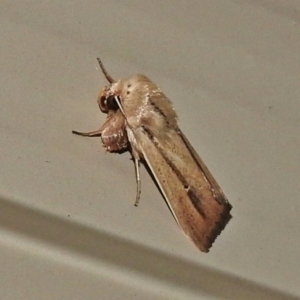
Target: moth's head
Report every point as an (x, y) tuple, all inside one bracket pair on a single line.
[(106, 99)]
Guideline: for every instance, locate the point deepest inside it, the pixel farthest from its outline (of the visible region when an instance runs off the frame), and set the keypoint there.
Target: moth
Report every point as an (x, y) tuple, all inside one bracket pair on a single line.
[(141, 119)]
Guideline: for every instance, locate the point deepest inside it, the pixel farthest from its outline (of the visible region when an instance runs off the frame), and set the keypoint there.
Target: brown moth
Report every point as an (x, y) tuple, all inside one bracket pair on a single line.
[(140, 118)]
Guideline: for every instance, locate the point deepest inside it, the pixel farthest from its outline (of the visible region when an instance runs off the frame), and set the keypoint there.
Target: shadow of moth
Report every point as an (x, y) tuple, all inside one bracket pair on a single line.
[(140, 118)]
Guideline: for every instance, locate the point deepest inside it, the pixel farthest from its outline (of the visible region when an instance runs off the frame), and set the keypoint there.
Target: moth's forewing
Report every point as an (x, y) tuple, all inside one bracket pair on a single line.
[(200, 209), (193, 195)]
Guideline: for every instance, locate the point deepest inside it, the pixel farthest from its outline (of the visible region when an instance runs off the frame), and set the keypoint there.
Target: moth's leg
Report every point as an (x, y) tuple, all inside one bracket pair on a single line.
[(91, 133), (134, 149), (138, 180)]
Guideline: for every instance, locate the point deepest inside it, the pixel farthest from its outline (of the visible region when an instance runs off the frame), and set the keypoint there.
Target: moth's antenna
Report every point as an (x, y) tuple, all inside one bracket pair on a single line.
[(107, 76)]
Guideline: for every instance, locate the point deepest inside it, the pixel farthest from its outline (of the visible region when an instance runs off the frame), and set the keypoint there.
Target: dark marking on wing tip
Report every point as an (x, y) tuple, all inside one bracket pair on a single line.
[(226, 215), (220, 224)]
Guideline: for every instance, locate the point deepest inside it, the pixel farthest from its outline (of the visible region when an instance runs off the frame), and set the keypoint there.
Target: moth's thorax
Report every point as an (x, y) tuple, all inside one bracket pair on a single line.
[(146, 105), (143, 103)]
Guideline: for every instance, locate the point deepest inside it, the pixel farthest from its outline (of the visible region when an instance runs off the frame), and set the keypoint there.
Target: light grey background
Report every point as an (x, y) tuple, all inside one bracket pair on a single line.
[(68, 227)]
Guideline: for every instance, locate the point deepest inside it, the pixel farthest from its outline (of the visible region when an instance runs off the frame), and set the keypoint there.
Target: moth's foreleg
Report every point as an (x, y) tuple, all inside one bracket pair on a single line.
[(91, 133)]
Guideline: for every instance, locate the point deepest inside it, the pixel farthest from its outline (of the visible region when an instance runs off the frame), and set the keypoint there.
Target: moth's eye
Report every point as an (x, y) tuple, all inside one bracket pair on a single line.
[(107, 102), (103, 104), (111, 103)]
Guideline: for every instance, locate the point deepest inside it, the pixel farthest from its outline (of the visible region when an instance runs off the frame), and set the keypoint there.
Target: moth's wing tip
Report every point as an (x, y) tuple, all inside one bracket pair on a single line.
[(221, 221), (207, 232)]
